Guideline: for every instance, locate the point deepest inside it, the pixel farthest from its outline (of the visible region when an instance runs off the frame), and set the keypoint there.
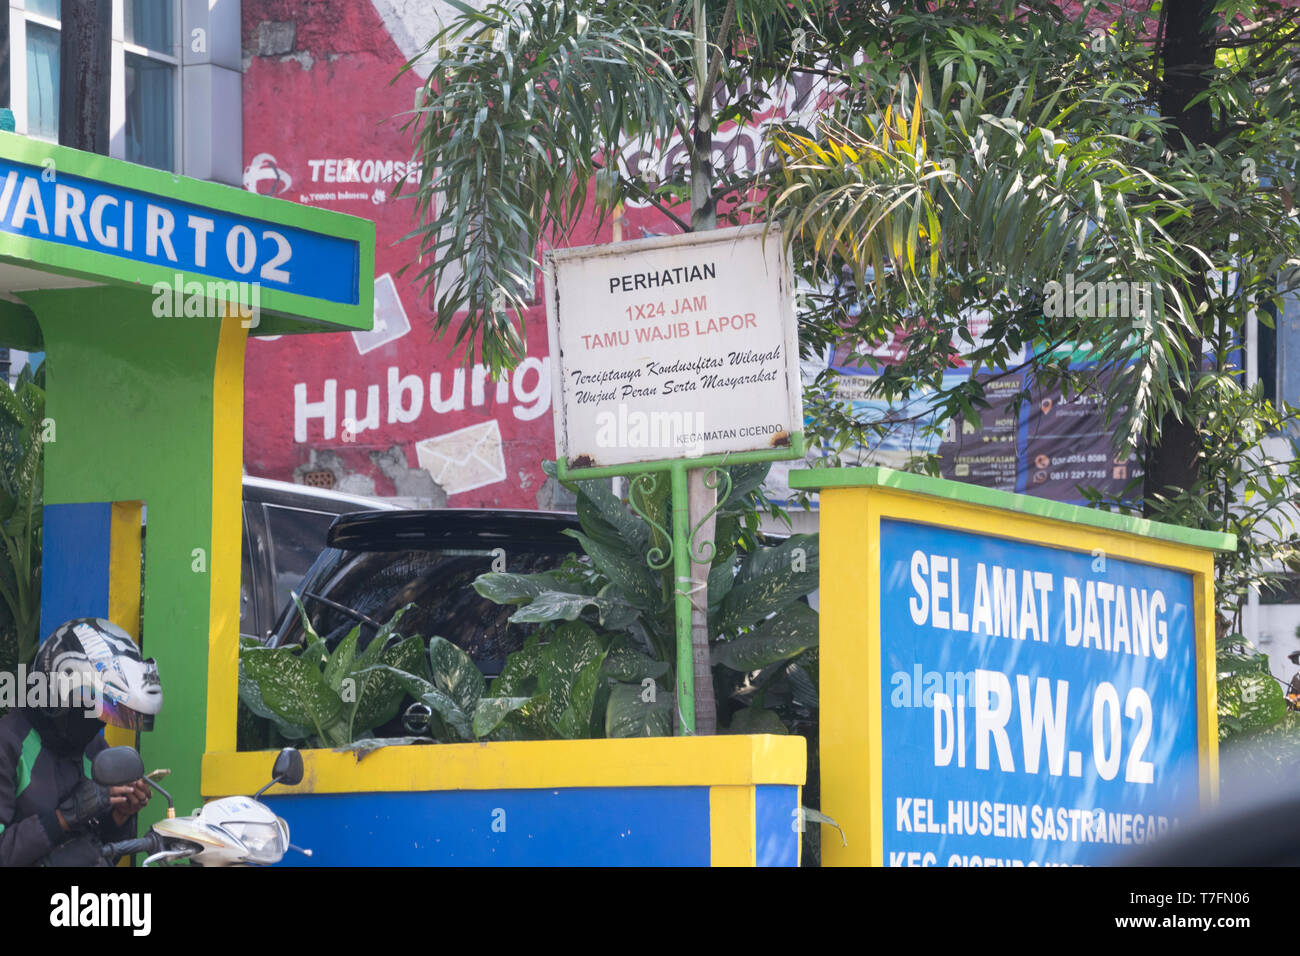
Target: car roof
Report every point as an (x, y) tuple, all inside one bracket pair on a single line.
[(270, 491), (416, 529)]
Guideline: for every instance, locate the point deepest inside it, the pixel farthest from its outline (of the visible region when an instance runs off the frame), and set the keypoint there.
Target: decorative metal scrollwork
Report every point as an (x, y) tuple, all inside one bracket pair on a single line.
[(647, 484), (713, 478)]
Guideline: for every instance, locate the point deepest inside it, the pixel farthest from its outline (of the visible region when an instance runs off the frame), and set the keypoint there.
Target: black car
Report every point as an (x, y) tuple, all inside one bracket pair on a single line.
[(284, 530), (376, 563)]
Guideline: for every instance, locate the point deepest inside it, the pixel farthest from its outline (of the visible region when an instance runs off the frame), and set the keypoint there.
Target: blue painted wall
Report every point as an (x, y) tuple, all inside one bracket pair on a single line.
[(776, 814), (643, 826), (74, 565)]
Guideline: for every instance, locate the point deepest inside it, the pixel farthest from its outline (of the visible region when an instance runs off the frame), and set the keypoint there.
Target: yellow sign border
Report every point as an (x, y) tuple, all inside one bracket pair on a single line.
[(850, 639)]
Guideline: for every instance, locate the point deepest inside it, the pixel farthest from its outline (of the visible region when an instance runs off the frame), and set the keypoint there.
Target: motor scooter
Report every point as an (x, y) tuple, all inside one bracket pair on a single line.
[(230, 831)]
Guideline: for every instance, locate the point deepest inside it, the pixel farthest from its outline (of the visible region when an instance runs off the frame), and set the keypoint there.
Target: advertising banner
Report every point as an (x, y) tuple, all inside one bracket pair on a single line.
[(1034, 438), (392, 411)]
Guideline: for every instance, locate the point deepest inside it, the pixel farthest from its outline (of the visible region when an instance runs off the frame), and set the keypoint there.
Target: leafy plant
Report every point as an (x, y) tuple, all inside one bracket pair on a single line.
[(523, 98), (22, 434), (584, 682), (339, 698), (1259, 735), (1250, 697), (459, 709), (331, 699), (608, 664), (604, 661)]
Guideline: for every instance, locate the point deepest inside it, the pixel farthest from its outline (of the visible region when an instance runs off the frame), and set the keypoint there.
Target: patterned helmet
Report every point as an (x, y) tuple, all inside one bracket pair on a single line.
[(91, 662)]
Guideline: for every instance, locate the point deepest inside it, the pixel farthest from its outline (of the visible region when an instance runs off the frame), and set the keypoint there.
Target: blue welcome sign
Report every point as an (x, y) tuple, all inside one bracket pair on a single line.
[(1005, 680), (1040, 704)]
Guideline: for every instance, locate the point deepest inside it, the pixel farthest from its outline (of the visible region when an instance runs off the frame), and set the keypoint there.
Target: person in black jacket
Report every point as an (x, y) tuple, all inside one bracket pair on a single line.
[(51, 812)]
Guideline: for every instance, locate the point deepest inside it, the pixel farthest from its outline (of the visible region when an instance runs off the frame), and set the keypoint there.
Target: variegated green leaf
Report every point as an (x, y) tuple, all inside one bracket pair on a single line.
[(636, 711), (779, 638)]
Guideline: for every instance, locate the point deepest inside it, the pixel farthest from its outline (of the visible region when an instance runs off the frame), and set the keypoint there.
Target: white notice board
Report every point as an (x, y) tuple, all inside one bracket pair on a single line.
[(673, 347)]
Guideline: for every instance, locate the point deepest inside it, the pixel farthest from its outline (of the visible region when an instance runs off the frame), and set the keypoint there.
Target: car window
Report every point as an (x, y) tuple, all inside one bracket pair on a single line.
[(439, 583), (297, 537), (247, 598)]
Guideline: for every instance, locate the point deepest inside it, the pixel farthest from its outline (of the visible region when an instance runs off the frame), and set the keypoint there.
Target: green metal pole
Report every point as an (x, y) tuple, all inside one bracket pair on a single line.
[(693, 506), (682, 576)]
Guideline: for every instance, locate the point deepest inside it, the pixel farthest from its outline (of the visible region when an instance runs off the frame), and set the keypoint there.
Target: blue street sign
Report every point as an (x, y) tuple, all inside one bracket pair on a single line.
[(1039, 704), (48, 204)]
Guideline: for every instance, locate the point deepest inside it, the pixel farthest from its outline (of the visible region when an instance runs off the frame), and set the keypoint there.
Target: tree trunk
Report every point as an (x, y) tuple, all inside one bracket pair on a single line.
[(1187, 54), (84, 49)]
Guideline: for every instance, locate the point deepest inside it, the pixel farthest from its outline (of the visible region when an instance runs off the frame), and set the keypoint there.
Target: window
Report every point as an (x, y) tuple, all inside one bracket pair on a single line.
[(144, 98), (439, 582), (247, 593), (150, 70), (42, 81), (296, 538), (150, 104), (148, 24), (1277, 339)]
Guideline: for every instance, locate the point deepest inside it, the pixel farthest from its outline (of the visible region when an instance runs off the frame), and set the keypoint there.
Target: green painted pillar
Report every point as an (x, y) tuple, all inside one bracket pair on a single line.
[(132, 403), (142, 288)]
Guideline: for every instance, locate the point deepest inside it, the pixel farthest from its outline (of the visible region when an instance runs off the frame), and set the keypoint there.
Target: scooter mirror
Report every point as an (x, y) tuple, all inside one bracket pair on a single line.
[(116, 766), (288, 767)]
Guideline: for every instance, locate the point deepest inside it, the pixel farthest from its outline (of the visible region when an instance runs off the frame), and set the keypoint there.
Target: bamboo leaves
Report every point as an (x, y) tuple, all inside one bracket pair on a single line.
[(524, 104)]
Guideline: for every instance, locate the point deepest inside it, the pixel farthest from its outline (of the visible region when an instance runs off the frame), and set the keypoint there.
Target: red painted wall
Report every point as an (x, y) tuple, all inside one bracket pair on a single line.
[(321, 104), (318, 110)]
